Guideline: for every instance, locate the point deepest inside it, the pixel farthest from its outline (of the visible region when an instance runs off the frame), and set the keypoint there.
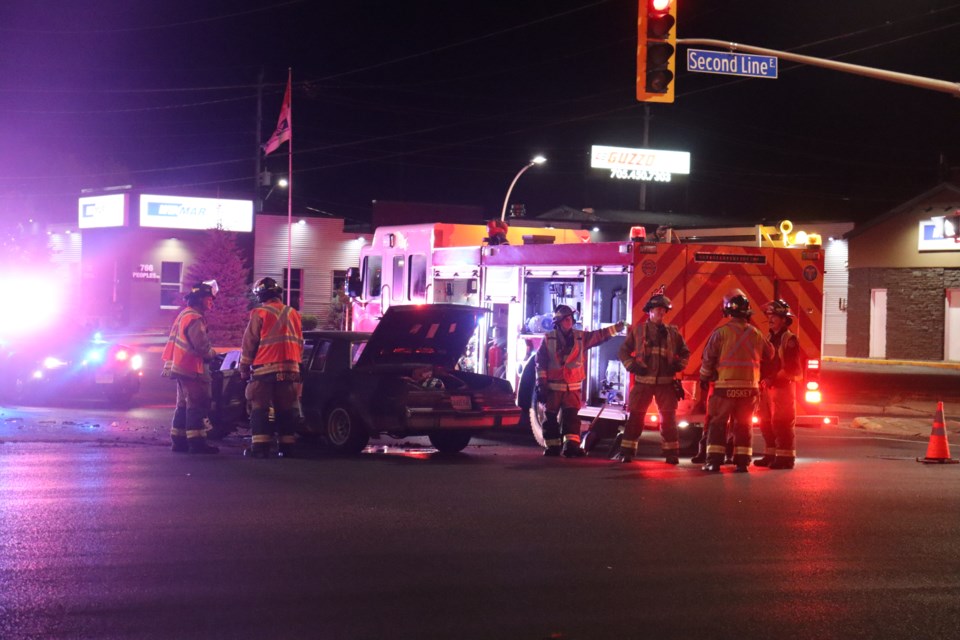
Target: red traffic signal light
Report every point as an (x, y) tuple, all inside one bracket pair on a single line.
[(656, 50)]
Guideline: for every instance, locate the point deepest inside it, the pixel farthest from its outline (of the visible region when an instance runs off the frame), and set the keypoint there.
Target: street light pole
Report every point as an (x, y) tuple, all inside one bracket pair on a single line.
[(506, 200)]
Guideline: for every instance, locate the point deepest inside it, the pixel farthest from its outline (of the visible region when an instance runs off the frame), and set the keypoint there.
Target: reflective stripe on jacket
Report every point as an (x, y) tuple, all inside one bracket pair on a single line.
[(733, 355), (180, 357), (563, 369), (273, 341)]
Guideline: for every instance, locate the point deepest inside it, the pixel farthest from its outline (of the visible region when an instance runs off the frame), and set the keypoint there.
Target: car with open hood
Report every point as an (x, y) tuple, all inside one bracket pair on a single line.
[(402, 380)]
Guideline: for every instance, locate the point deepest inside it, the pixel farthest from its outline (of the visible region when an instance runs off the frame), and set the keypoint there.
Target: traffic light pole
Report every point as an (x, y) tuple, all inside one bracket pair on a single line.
[(932, 84)]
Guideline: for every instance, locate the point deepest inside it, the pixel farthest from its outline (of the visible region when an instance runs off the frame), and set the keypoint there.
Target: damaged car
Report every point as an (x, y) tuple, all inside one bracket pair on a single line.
[(402, 380)]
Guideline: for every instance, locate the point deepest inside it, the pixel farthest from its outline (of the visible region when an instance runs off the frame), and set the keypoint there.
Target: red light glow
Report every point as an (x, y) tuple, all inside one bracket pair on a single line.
[(813, 397), (660, 6), (813, 385), (755, 420)]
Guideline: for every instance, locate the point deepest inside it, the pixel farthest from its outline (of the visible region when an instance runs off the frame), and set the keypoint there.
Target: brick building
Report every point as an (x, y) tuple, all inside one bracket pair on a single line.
[(904, 281)]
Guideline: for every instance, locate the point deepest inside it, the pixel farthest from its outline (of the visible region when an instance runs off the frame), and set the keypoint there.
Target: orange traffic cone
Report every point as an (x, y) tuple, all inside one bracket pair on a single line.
[(938, 450)]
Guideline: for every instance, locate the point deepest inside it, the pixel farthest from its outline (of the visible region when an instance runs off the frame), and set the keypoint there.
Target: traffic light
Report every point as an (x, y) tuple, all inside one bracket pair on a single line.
[(656, 50)]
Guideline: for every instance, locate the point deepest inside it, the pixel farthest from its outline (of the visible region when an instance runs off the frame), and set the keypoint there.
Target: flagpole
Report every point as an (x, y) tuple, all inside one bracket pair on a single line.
[(290, 185)]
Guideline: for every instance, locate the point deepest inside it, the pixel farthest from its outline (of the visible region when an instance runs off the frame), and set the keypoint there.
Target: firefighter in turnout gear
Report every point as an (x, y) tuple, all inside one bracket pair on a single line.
[(185, 359), (732, 360), (560, 375), (270, 363), (778, 391), (654, 352)]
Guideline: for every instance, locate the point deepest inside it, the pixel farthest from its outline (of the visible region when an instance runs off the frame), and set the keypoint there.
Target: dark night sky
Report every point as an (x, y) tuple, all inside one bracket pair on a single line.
[(436, 101)]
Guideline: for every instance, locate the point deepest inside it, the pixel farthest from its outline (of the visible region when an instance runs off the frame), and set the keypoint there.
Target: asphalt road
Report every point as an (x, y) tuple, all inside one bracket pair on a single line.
[(120, 538)]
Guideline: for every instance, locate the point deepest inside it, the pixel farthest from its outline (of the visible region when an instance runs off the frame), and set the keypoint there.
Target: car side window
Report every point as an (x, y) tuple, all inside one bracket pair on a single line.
[(320, 356), (356, 349)]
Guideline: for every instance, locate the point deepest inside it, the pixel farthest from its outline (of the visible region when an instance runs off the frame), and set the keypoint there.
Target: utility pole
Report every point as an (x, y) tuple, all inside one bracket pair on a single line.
[(646, 145), (258, 164)]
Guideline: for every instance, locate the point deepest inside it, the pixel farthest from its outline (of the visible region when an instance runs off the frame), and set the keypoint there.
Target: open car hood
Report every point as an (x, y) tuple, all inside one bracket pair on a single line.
[(434, 334)]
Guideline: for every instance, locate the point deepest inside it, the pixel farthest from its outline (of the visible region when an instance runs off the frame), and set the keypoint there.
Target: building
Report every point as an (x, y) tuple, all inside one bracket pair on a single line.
[(320, 254), (136, 249), (904, 298)]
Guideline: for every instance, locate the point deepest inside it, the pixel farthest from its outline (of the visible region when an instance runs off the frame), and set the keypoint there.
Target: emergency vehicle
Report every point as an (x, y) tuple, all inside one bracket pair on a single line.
[(521, 282)]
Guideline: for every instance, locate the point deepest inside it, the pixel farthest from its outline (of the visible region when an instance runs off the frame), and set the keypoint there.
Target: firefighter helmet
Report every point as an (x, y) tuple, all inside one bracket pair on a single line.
[(658, 299), (266, 289), (780, 308), (736, 304), (562, 311), (200, 291)]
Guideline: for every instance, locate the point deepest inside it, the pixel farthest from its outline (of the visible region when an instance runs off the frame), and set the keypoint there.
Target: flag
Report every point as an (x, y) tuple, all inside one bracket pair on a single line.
[(283, 131)]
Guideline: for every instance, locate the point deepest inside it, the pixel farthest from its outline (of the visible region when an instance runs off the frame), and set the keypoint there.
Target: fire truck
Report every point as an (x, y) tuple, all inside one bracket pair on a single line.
[(523, 280)]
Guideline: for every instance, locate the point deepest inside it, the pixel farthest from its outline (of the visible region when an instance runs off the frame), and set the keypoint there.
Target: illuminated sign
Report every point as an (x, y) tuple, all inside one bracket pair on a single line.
[(178, 212), (640, 164), (931, 235), (102, 211)]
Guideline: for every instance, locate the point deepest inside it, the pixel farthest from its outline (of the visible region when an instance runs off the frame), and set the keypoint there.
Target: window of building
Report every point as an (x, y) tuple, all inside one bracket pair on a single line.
[(170, 275), (296, 286), (339, 280), (418, 277), (398, 279)]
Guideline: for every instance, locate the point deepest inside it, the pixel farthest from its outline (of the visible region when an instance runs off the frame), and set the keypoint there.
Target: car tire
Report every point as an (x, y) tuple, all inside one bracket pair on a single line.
[(449, 441), (343, 431)]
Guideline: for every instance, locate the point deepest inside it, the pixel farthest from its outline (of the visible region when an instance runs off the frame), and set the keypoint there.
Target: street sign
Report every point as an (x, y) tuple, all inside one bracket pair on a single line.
[(731, 64)]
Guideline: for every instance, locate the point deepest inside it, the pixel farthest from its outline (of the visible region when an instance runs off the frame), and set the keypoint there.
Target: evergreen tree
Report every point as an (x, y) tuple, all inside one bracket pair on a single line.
[(220, 259)]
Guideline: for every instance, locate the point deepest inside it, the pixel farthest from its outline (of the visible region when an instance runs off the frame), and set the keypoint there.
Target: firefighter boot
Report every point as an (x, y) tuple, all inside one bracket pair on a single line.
[(571, 449), (701, 455), (712, 467), (625, 455), (672, 458), (286, 425), (178, 431), (765, 461), (257, 450), (261, 437), (782, 462), (196, 436), (199, 445), (553, 451)]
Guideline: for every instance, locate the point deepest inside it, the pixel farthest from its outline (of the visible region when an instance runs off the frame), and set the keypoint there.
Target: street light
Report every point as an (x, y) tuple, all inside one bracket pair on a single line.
[(537, 160)]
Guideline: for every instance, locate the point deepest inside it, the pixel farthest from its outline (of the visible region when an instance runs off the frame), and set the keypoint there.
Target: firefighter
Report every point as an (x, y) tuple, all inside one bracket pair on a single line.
[(732, 359), (270, 363), (654, 352), (185, 359), (778, 391), (560, 375)]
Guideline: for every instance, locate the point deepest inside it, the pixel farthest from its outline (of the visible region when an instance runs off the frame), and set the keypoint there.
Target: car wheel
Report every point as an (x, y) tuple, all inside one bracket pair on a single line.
[(344, 432), (449, 441)]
